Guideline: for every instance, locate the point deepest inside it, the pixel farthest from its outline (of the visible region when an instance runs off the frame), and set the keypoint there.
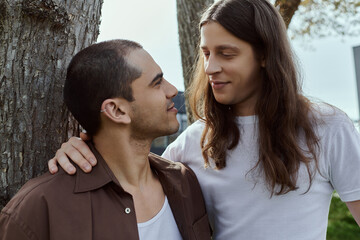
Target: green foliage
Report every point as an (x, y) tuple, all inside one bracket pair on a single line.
[(342, 225)]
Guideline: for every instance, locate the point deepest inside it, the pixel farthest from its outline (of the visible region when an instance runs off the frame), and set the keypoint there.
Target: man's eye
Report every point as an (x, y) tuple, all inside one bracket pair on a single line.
[(227, 54), (158, 82)]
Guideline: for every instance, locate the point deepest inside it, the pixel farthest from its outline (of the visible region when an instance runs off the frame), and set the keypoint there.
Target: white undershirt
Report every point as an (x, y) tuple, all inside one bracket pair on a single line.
[(161, 226)]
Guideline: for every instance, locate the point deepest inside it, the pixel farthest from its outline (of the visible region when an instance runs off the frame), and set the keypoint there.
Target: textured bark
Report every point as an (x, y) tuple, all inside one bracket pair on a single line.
[(37, 40), (188, 15), (287, 9)]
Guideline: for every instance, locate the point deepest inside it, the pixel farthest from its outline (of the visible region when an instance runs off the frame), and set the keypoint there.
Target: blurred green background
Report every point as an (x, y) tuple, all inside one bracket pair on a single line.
[(342, 225)]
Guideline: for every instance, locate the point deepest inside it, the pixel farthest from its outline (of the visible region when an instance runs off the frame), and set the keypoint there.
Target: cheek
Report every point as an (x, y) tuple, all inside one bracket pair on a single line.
[(248, 71), (235, 68), (157, 103), (236, 75)]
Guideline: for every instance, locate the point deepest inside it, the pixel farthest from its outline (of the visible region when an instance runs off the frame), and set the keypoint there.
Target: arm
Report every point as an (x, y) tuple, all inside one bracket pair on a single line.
[(354, 208), (11, 230), (78, 151)]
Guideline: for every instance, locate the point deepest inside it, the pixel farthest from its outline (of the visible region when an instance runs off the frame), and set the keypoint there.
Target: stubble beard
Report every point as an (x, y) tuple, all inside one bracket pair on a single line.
[(142, 128)]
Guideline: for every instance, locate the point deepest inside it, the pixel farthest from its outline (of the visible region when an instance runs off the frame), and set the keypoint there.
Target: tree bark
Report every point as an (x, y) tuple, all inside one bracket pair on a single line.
[(37, 40), (188, 15), (287, 9)]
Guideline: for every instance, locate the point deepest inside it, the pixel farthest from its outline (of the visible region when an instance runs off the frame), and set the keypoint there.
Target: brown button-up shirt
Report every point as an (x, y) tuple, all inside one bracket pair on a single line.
[(95, 206)]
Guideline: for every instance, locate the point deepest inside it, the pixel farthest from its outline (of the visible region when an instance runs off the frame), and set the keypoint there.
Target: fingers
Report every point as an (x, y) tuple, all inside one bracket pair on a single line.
[(76, 150), (52, 166), (84, 136), (82, 148), (64, 161)]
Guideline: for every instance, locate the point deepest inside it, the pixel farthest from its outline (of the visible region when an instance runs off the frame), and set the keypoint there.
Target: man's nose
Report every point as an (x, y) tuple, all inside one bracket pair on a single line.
[(212, 65)]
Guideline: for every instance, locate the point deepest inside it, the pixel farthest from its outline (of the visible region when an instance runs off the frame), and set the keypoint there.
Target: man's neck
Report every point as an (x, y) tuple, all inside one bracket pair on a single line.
[(127, 158)]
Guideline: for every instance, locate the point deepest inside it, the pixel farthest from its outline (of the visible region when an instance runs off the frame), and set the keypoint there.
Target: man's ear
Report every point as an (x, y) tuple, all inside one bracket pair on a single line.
[(262, 62), (117, 110)]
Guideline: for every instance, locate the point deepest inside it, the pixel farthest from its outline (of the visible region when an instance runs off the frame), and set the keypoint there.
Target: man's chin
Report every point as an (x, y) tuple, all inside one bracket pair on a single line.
[(175, 128), (171, 130)]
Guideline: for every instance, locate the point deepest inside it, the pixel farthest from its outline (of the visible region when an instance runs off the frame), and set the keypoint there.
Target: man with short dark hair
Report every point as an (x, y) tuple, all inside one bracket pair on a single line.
[(118, 94)]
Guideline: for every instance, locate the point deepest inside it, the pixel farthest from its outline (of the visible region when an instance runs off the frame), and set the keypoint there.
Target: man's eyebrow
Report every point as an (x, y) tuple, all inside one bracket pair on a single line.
[(227, 47), (222, 47), (159, 75)]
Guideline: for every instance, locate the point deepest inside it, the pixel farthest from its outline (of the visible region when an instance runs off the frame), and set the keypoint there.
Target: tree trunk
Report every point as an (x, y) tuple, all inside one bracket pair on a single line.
[(287, 9), (37, 40), (188, 15)]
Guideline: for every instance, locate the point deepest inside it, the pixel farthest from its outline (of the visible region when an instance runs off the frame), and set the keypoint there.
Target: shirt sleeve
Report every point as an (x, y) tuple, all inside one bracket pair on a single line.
[(11, 229), (345, 161)]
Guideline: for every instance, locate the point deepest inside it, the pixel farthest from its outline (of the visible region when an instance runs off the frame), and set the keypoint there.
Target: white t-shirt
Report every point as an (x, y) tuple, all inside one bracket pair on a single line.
[(162, 226), (239, 204)]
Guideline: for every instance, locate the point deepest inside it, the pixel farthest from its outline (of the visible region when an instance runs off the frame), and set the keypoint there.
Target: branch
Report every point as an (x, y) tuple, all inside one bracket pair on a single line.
[(287, 9)]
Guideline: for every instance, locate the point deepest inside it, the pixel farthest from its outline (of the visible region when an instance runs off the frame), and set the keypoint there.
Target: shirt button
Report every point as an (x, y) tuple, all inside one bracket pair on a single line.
[(127, 210)]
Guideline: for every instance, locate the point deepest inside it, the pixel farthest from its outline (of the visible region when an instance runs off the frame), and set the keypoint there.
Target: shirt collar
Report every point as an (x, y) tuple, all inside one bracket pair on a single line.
[(97, 178), (102, 175)]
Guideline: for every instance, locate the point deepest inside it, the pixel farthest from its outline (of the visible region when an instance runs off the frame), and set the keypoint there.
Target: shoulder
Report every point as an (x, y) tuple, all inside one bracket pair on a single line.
[(33, 199), (329, 113), (192, 133), (340, 152), (173, 171), (162, 164), (330, 118), (37, 188), (196, 127), (176, 174)]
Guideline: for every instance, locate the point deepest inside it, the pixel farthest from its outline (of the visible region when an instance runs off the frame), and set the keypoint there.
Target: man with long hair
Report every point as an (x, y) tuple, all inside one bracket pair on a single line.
[(267, 158)]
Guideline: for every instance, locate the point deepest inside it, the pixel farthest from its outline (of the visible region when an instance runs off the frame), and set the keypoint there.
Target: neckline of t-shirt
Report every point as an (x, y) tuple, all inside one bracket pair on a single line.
[(247, 119), (156, 217)]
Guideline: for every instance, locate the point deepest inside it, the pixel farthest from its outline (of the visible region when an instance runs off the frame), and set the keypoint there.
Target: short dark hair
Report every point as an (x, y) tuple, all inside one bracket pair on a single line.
[(96, 73)]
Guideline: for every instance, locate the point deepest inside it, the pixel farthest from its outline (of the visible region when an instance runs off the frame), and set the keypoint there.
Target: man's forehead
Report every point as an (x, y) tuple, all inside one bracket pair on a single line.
[(149, 69), (139, 56), (142, 60)]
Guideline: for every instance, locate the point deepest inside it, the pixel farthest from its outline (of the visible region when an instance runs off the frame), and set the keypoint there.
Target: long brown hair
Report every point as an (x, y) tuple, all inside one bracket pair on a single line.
[(284, 114)]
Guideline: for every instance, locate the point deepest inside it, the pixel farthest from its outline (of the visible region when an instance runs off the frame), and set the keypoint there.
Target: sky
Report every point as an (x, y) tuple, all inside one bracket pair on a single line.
[(327, 65)]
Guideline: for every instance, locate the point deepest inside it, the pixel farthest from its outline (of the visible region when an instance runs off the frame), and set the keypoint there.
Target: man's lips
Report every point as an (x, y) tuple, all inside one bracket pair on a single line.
[(172, 108), (218, 84)]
